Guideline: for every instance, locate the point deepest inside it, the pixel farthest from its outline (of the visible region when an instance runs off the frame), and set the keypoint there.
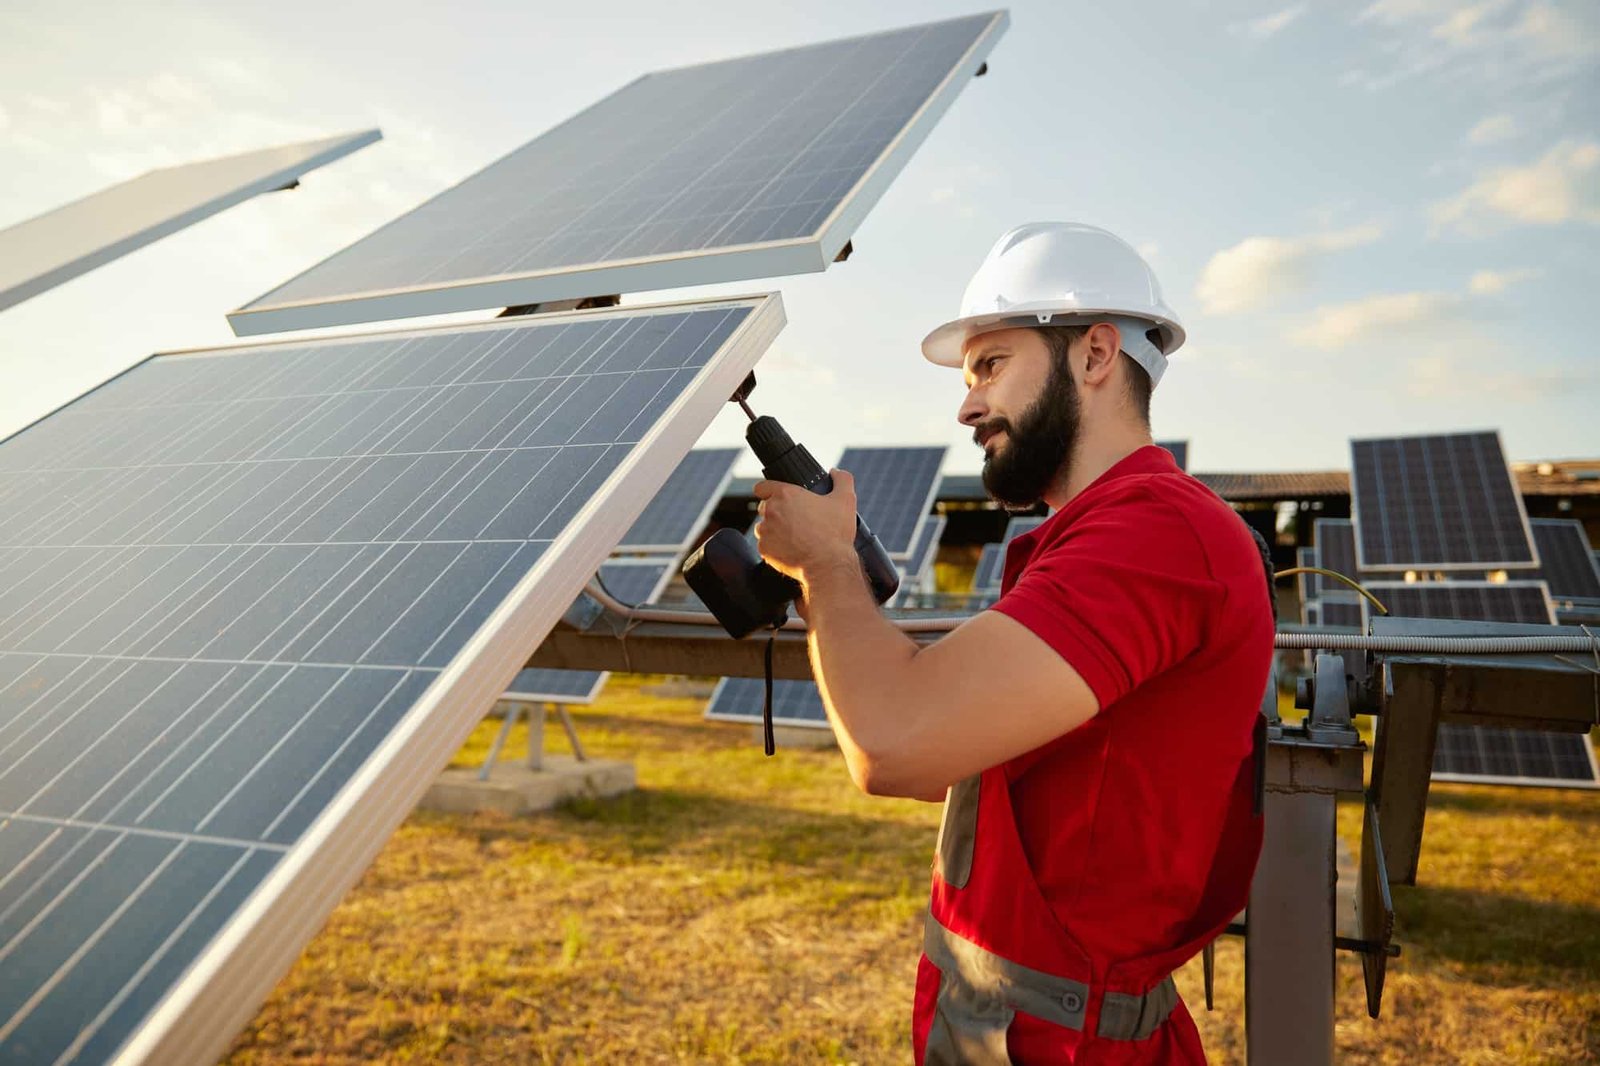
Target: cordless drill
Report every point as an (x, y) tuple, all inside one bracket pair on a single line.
[(726, 572)]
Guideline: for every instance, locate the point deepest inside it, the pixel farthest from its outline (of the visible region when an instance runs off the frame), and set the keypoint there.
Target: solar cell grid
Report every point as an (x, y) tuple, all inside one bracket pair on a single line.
[(256, 598), (679, 511), (1437, 503), (752, 167), (1341, 611), (1565, 560), (1336, 550), (895, 488), (986, 577)]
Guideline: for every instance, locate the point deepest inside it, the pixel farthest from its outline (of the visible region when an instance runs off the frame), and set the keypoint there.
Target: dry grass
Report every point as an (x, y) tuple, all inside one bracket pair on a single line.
[(740, 909)]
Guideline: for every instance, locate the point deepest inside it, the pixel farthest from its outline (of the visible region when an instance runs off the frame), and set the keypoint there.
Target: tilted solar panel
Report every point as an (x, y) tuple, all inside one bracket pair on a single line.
[(1565, 561), (1479, 753), (1303, 582), (748, 168), (991, 563), (54, 247), (1342, 611), (633, 581), (916, 574), (1335, 539), (794, 703), (1444, 502), (681, 509), (256, 599), (895, 489)]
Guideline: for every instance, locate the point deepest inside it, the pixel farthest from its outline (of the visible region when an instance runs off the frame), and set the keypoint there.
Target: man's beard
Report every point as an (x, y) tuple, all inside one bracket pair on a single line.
[(1038, 446)]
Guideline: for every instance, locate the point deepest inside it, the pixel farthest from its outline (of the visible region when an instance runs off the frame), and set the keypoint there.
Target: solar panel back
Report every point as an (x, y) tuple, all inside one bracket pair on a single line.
[(256, 599), (1443, 503), (59, 245), (895, 489), (748, 168)]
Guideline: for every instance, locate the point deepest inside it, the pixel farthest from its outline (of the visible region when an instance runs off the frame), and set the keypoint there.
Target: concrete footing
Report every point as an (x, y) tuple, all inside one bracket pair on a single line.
[(514, 789)]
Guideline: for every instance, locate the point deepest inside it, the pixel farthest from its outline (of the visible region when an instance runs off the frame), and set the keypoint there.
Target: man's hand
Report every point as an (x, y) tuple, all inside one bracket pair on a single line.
[(800, 532)]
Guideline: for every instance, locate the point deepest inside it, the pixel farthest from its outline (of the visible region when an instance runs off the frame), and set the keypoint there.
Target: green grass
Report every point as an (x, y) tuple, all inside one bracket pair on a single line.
[(743, 909)]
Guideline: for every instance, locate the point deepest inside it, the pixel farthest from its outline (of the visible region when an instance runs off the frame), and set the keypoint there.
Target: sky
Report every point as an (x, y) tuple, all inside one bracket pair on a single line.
[(1374, 218)]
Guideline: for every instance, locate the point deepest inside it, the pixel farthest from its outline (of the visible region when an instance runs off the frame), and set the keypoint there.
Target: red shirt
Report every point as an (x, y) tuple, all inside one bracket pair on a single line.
[(1153, 589)]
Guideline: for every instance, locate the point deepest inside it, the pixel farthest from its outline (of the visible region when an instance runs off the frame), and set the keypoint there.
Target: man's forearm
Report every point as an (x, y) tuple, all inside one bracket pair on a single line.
[(861, 661)]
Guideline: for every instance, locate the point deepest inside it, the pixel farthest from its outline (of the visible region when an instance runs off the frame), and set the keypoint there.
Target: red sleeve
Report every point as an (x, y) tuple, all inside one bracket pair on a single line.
[(1122, 594)]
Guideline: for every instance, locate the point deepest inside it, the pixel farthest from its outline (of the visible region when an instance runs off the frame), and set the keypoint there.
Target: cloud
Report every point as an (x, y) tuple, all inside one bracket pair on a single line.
[(1338, 326), (1441, 376), (1492, 129), (1260, 29), (1260, 270), (1495, 282), (1500, 43), (1563, 185)]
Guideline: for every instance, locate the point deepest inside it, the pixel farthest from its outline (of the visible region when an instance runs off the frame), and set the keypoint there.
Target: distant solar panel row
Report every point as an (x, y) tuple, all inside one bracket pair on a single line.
[(1565, 561), (895, 490), (794, 703), (1437, 503), (255, 599), (746, 168)]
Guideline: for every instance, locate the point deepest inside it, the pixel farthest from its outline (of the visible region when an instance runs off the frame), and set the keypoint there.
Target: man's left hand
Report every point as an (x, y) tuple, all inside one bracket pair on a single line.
[(800, 531)]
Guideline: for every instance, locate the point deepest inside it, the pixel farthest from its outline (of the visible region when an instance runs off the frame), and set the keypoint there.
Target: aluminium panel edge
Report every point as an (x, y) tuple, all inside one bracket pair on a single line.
[(217, 995)]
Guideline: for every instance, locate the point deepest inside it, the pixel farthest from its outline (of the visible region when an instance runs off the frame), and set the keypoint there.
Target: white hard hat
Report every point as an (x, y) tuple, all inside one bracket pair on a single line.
[(1064, 273)]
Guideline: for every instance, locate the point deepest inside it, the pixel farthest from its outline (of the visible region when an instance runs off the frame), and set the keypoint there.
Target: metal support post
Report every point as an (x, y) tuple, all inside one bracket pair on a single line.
[(1402, 767), (512, 710), (535, 736), (572, 734)]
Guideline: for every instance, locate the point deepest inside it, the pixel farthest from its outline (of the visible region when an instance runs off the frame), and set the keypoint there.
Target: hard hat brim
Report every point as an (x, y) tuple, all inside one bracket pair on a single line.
[(946, 345)]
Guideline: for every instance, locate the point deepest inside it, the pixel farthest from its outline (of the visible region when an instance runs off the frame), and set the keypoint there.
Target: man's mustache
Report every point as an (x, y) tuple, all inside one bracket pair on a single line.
[(982, 428)]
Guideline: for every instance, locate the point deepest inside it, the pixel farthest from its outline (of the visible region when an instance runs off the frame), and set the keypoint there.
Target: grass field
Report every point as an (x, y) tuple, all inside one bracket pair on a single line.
[(743, 909)]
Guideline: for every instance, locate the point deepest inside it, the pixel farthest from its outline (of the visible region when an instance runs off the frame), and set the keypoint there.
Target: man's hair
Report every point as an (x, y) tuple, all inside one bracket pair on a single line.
[(1059, 338)]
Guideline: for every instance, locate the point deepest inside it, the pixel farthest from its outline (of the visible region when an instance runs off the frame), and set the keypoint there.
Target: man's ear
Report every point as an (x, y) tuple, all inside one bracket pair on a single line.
[(1102, 344)]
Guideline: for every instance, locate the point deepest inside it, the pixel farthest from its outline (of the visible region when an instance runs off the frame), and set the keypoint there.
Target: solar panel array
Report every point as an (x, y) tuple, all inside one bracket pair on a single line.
[(1179, 450), (1565, 560), (54, 247), (633, 581), (895, 489), (256, 598), (1336, 550), (1480, 753), (1444, 502), (747, 168), (677, 513)]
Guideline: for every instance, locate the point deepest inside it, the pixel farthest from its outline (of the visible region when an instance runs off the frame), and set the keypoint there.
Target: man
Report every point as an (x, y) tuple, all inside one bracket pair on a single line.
[(1096, 729)]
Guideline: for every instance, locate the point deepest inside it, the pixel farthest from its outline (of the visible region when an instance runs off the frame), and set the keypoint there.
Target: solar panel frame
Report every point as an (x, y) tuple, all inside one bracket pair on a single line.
[(1371, 510), (201, 1011), (631, 581), (1566, 561), (703, 475), (762, 259), (895, 490), (59, 236), (924, 549)]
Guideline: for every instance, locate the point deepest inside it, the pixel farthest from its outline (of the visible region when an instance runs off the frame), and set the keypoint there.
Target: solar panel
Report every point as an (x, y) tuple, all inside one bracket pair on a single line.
[(633, 581), (1179, 450), (1342, 611), (684, 504), (794, 703), (991, 562), (1482, 754), (57, 246), (747, 168), (1303, 582), (256, 598), (1311, 613), (914, 575), (1335, 539), (1437, 503), (895, 488), (1565, 560), (1020, 524)]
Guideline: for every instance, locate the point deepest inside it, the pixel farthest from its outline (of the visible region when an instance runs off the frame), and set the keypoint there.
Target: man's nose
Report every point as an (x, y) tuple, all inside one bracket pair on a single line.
[(973, 408)]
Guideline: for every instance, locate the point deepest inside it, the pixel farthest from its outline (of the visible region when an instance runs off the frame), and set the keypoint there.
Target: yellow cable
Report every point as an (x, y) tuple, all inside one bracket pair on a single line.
[(1334, 574)]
